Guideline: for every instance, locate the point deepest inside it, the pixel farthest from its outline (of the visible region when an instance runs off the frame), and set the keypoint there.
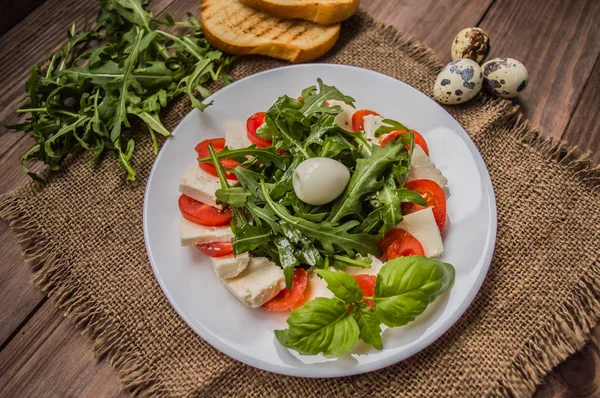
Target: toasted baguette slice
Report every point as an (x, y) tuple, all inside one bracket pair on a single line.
[(238, 29), (323, 12)]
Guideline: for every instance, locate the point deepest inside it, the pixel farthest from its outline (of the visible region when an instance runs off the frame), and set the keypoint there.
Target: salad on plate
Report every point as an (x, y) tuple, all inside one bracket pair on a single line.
[(332, 212)]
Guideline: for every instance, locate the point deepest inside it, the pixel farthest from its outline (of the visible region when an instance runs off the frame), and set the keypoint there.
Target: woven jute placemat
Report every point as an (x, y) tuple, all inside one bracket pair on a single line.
[(82, 234)]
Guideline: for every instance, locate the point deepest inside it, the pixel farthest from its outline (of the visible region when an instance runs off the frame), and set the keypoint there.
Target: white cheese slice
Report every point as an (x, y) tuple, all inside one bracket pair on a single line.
[(258, 283), (372, 123), (376, 265), (230, 266), (200, 185), (344, 118), (191, 233), (421, 224), (236, 136), (422, 168)]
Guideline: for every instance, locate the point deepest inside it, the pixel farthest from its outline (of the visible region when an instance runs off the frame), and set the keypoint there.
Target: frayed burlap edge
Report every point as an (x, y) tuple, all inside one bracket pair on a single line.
[(561, 336)]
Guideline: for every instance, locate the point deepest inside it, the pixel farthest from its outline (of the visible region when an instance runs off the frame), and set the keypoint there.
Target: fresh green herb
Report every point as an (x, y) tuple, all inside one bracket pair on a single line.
[(85, 100), (404, 288)]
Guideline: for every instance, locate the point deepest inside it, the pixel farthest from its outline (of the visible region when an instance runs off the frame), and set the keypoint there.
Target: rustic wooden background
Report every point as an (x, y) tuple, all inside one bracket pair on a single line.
[(42, 354)]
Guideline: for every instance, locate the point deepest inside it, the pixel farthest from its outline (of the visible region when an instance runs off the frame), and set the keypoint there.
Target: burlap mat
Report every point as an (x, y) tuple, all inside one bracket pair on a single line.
[(82, 233)]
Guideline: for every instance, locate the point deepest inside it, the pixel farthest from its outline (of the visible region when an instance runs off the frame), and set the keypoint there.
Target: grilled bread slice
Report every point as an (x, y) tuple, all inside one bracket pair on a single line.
[(323, 12), (235, 28)]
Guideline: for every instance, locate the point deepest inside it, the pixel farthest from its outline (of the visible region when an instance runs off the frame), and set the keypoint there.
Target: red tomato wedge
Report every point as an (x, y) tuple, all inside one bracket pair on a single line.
[(287, 298), (216, 249), (203, 214), (252, 124), (218, 145), (358, 123), (406, 245), (419, 140), (367, 285), (433, 195)]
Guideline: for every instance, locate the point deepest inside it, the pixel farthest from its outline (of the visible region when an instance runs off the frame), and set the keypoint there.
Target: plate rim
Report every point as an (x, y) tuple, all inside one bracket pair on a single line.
[(490, 246)]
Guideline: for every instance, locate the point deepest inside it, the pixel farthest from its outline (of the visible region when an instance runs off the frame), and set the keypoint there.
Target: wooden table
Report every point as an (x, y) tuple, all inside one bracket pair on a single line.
[(41, 352)]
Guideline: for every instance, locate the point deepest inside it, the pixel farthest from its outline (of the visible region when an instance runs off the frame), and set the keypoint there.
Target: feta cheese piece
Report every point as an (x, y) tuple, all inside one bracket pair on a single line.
[(235, 134), (200, 185), (258, 283), (372, 123), (344, 118), (376, 265), (422, 168), (191, 233), (230, 266), (421, 224)]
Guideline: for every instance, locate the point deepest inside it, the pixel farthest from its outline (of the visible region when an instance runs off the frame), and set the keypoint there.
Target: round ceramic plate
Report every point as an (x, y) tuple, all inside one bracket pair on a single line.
[(186, 276)]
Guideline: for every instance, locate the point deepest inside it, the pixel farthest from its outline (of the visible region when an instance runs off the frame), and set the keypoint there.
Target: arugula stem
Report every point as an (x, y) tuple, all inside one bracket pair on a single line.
[(218, 166), (348, 260)]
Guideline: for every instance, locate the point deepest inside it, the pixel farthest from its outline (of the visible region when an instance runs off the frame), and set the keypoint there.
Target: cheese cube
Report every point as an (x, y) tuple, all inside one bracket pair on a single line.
[(235, 134), (421, 224), (191, 233), (422, 168), (344, 118), (258, 283), (230, 266), (200, 185), (372, 123)]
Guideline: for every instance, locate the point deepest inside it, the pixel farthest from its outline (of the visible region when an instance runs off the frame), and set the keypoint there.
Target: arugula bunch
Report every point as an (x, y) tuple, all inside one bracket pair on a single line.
[(269, 219), (404, 288), (82, 99)]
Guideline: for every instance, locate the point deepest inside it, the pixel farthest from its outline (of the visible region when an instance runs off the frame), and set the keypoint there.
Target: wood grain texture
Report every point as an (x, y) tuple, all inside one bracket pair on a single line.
[(432, 22), (12, 14), (584, 127), (48, 357), (558, 41)]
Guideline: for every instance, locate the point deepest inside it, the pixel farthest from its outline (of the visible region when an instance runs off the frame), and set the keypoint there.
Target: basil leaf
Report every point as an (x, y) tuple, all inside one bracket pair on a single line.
[(407, 285), (320, 326), (368, 324), (342, 285)]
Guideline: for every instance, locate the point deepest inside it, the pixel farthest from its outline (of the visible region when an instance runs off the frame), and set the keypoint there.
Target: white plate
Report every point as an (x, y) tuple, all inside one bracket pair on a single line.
[(186, 276)]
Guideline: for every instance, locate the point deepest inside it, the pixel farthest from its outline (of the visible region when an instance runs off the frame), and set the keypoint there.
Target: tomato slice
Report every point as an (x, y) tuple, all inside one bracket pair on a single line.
[(252, 124), (218, 145), (216, 249), (203, 214), (433, 195), (358, 123), (287, 298), (366, 283), (405, 245), (419, 140)]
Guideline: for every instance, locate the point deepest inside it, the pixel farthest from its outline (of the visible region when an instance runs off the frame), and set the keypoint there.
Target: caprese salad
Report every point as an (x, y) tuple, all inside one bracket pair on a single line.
[(333, 212)]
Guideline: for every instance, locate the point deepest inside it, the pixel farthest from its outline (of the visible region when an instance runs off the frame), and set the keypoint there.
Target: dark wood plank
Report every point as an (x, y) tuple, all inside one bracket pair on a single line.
[(584, 127), (12, 14), (559, 42), (432, 22), (49, 357)]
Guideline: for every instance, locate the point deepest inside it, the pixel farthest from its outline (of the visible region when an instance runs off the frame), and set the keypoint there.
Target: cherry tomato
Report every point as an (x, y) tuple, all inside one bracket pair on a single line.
[(216, 249), (252, 124), (218, 145), (287, 298), (406, 245), (433, 195), (367, 284), (358, 123), (203, 214), (419, 140)]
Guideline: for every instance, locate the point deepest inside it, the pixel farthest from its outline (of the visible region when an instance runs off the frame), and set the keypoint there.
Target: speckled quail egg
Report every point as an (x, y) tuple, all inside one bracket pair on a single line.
[(318, 181), (504, 77), (471, 43), (458, 82)]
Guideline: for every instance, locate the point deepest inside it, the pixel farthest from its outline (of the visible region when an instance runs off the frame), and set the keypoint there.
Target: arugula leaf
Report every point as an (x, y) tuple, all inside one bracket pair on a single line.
[(248, 238), (389, 125), (407, 285), (266, 156), (233, 196), (320, 326), (287, 259), (314, 101), (342, 285), (368, 325), (367, 178)]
